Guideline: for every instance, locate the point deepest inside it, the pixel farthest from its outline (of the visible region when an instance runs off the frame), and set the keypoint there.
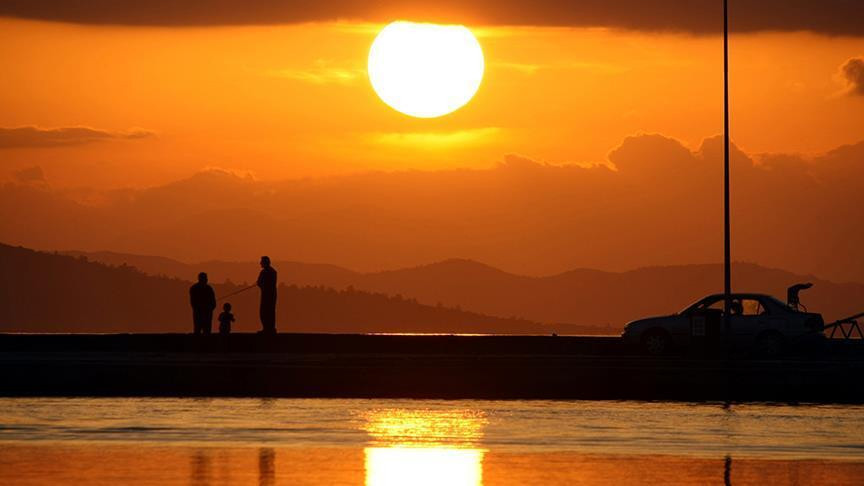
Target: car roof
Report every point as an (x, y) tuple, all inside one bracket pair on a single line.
[(770, 300), (739, 295)]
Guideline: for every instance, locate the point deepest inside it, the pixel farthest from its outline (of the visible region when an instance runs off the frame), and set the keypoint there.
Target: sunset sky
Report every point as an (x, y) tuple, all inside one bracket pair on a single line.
[(108, 96), (431, 242), (292, 99)]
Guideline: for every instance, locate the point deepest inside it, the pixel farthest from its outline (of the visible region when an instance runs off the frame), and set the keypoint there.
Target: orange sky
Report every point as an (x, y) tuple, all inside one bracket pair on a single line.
[(92, 108), (294, 100)]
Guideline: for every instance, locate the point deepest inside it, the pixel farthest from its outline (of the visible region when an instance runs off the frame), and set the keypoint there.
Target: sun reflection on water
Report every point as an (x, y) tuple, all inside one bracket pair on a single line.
[(424, 447)]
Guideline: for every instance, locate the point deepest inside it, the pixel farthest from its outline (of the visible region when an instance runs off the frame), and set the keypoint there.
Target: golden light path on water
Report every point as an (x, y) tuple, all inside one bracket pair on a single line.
[(334, 442), (424, 447)]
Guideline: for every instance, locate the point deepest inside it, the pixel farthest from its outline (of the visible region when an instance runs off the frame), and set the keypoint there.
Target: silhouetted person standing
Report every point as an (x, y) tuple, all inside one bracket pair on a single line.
[(792, 298), (203, 301), (267, 284), (225, 319)]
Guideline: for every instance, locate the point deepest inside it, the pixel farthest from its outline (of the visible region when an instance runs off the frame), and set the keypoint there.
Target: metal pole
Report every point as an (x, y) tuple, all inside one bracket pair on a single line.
[(727, 252)]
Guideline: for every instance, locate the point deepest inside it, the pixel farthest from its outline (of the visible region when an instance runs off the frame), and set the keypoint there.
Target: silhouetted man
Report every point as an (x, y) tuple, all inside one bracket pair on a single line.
[(736, 309), (792, 299), (267, 284), (203, 301)]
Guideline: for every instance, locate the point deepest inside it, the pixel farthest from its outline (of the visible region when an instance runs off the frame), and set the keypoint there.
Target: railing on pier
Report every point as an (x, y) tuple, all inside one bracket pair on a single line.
[(848, 328)]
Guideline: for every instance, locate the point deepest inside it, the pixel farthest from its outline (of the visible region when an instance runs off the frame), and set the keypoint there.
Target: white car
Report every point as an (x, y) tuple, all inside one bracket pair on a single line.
[(759, 323)]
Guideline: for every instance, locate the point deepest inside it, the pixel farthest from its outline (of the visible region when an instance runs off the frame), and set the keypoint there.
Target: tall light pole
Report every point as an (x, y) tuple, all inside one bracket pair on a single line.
[(727, 250)]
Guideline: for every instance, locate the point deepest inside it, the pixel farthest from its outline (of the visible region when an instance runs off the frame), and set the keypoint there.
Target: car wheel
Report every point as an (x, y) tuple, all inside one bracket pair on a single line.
[(769, 345), (656, 343)]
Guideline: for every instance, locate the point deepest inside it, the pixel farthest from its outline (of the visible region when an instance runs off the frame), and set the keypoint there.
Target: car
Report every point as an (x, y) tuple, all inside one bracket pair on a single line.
[(759, 323)]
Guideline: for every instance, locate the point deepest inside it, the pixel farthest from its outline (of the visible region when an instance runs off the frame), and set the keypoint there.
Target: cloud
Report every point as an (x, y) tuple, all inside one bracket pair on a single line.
[(322, 72), (217, 171), (533, 68), (853, 73), (662, 205), (437, 139), (651, 153), (36, 137), (523, 68), (832, 17), (30, 175)]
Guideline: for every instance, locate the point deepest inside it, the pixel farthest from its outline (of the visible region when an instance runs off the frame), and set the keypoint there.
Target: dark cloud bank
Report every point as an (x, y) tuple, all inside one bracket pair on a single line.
[(35, 137), (832, 17), (30, 175), (853, 72), (660, 204)]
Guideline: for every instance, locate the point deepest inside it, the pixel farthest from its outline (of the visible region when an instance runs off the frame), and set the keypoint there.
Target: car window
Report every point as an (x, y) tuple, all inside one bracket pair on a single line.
[(752, 307), (716, 305), (740, 306)]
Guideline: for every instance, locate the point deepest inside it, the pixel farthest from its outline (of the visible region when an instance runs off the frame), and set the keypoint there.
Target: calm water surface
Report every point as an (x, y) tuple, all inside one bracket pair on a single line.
[(423, 442)]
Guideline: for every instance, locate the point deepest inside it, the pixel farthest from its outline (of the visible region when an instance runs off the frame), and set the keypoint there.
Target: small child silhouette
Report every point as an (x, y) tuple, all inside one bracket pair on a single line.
[(225, 319)]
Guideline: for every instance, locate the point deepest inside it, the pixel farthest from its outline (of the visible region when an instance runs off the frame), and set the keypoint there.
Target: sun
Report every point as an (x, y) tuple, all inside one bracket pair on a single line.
[(425, 70)]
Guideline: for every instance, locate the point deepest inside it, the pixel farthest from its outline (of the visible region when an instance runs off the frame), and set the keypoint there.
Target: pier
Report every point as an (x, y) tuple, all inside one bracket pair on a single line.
[(413, 366)]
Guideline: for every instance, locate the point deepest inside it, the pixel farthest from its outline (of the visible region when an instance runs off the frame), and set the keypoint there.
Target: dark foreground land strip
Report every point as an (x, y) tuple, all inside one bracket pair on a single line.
[(447, 367)]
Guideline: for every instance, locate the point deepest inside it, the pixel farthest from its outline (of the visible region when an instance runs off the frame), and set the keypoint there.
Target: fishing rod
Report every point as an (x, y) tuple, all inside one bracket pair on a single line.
[(244, 289)]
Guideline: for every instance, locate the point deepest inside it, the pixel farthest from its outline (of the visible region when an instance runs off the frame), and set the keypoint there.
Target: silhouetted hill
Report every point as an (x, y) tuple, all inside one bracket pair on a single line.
[(43, 292), (583, 297)]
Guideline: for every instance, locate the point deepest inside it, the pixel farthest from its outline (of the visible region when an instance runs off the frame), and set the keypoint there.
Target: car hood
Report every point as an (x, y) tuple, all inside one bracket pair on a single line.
[(648, 321)]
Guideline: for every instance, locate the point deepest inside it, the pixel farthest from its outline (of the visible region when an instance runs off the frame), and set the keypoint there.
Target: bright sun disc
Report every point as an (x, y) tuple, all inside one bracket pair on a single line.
[(425, 70)]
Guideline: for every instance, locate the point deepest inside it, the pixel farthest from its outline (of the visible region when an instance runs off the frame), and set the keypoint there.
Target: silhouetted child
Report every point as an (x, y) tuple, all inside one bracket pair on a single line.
[(225, 319)]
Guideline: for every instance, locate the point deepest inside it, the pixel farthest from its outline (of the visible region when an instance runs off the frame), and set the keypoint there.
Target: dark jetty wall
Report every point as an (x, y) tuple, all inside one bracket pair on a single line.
[(391, 366)]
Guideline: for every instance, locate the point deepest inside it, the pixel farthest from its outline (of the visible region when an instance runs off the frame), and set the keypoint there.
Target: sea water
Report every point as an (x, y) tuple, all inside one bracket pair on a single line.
[(425, 442)]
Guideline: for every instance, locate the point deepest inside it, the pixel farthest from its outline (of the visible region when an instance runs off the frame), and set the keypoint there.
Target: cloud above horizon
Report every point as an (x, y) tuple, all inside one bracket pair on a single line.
[(30, 175), (37, 137), (412, 140), (830, 17), (655, 201), (322, 71), (853, 73)]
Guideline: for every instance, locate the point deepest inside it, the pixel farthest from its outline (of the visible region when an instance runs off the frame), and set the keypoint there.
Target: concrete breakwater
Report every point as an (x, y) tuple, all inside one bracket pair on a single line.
[(412, 366)]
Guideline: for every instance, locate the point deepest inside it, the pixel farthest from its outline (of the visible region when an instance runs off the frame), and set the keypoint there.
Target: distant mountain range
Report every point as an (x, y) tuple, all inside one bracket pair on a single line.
[(44, 292), (597, 301)]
